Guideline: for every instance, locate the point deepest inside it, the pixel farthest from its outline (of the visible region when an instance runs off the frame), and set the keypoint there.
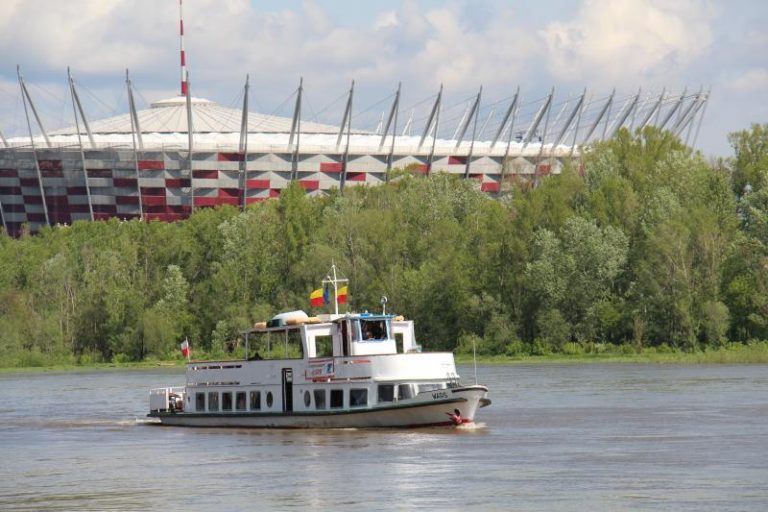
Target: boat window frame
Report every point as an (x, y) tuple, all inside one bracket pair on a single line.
[(241, 405), (200, 401), (254, 398), (391, 393), (378, 327), (213, 401), (324, 341), (410, 387), (271, 340), (335, 394), (358, 397), (226, 401), (320, 405)]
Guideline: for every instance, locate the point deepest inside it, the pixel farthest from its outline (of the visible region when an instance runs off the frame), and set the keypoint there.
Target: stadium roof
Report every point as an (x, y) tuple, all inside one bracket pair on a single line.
[(170, 116)]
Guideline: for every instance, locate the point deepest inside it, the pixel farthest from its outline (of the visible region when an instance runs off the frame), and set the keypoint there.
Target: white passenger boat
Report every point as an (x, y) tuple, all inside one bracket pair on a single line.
[(330, 371)]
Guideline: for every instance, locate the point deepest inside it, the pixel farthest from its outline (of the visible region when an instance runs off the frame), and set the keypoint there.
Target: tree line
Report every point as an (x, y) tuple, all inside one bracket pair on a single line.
[(641, 244)]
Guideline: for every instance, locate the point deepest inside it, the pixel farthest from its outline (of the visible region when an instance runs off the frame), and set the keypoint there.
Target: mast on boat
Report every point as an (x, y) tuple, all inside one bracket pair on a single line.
[(335, 282)]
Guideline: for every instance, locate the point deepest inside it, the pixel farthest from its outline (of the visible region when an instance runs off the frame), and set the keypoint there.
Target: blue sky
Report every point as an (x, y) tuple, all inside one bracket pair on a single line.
[(597, 44)]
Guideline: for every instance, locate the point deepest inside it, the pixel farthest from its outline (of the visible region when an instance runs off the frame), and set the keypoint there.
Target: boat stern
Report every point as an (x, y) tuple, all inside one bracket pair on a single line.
[(166, 400)]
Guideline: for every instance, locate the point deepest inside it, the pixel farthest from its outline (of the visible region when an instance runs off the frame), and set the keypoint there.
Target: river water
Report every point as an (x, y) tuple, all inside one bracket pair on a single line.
[(557, 438)]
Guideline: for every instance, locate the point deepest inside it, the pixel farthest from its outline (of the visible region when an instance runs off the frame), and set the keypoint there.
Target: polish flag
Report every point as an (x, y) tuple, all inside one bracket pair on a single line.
[(185, 349)]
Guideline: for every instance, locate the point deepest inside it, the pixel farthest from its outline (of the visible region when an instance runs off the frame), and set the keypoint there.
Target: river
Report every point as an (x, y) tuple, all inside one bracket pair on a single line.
[(557, 438)]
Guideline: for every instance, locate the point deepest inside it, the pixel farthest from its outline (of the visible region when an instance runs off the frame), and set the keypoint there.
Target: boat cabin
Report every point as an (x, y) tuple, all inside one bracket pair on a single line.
[(295, 335)]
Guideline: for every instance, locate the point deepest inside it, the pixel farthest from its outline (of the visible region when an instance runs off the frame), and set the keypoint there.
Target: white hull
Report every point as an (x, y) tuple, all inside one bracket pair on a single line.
[(416, 413)]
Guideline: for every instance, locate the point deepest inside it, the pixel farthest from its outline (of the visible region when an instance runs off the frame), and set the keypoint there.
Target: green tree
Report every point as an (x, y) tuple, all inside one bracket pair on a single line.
[(750, 164)]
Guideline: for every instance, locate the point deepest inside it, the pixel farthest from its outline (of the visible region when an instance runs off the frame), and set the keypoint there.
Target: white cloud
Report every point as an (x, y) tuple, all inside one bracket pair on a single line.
[(445, 49), (755, 79), (386, 20), (625, 42), (461, 43), (94, 36)]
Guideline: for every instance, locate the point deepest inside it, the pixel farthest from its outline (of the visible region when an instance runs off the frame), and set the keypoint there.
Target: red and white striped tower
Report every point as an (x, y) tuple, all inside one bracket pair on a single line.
[(183, 57)]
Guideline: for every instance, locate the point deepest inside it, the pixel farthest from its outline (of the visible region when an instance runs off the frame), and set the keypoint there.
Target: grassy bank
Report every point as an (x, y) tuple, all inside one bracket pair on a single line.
[(732, 353), (74, 367)]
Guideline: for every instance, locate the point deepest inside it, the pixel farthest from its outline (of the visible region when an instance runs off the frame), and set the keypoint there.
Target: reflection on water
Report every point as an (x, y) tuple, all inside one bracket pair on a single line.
[(598, 437)]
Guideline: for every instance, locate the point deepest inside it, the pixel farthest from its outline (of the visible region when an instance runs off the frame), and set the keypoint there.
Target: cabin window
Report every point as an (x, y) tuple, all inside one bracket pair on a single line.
[(405, 391), (240, 401), (255, 400), (307, 399), (386, 392), (293, 346), (269, 399), (373, 330), (263, 346), (199, 402), (226, 401), (337, 398), (399, 341), (358, 397), (213, 401), (323, 346), (283, 344), (319, 399)]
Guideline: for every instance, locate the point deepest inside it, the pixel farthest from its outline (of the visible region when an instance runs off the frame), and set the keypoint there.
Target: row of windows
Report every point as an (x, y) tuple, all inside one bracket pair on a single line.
[(358, 397), (251, 401), (241, 400)]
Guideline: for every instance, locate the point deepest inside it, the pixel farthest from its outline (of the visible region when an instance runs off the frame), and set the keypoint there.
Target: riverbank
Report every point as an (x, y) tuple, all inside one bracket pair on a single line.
[(732, 353)]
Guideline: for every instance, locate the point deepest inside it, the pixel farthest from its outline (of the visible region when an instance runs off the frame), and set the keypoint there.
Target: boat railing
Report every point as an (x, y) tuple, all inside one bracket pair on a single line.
[(454, 381)]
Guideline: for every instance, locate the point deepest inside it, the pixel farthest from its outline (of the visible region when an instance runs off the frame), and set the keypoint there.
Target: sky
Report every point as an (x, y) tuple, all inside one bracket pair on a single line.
[(534, 45)]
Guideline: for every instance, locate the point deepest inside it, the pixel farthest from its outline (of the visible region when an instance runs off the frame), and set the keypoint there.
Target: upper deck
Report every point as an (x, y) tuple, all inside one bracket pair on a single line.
[(331, 347)]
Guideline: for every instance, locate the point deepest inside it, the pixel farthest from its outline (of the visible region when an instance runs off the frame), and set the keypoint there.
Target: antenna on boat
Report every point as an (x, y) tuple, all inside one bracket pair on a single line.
[(383, 301)]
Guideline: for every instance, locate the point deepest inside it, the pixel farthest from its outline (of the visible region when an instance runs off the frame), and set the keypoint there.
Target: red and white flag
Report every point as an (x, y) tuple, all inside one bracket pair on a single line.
[(185, 349)]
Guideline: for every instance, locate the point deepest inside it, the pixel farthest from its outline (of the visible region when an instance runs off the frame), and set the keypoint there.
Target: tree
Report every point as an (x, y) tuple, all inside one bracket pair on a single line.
[(750, 164), (573, 273)]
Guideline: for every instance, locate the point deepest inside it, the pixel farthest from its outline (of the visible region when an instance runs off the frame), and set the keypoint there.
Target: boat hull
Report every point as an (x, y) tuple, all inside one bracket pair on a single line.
[(458, 407)]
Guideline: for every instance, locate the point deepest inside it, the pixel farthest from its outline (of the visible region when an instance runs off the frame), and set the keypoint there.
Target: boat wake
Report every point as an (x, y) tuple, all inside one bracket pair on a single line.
[(472, 426), (78, 423), (146, 421)]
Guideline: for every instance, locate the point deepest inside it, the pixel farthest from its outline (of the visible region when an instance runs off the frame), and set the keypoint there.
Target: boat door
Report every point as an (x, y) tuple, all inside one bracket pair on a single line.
[(287, 389)]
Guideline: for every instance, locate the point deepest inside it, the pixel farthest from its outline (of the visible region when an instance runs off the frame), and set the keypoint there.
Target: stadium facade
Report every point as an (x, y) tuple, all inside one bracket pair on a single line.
[(184, 153)]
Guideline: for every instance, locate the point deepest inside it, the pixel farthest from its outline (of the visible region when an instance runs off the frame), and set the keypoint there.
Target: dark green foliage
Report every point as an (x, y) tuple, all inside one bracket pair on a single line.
[(649, 247)]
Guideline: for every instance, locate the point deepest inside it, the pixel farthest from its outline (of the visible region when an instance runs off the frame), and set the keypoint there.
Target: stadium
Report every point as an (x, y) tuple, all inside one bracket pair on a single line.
[(185, 152)]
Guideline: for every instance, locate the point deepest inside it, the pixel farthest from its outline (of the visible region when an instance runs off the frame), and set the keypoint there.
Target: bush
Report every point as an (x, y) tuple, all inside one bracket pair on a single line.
[(466, 342), (32, 358), (573, 349), (515, 348), (540, 347), (121, 358)]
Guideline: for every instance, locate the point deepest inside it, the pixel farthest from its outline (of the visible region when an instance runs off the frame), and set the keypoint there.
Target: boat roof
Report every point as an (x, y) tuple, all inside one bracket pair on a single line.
[(295, 319)]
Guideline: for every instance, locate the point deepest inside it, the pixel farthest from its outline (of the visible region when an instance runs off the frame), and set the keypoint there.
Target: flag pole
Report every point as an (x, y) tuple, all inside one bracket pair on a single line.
[(334, 280), (335, 290)]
